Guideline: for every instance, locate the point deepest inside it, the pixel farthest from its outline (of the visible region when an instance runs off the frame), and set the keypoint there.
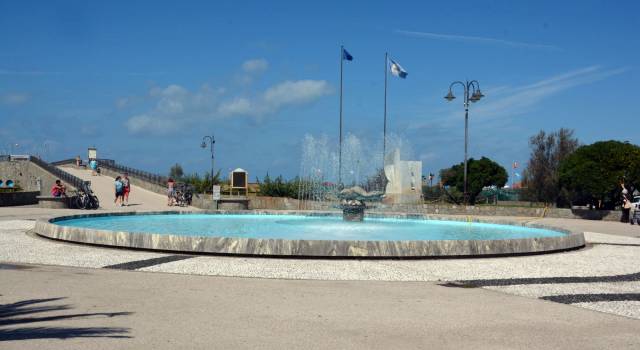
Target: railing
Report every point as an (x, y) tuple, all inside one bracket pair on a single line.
[(119, 168), (137, 173), (63, 175), (52, 169), (64, 162)]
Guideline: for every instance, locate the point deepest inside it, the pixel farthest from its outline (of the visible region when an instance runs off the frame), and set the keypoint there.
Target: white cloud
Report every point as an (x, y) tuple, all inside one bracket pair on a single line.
[(238, 106), (295, 92), (176, 107), (123, 102), (150, 124), (505, 101), (477, 39), (255, 65), (519, 100), (14, 98)]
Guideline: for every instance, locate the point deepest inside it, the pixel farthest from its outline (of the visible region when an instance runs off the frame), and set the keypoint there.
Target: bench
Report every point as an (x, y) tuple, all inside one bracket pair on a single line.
[(52, 202)]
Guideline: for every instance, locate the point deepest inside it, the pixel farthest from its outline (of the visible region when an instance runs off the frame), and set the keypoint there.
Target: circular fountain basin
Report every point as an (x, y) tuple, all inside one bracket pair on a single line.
[(308, 234)]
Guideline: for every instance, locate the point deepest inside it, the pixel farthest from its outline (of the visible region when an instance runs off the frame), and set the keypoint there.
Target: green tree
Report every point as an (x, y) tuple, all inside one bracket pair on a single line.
[(592, 174), (481, 173), (202, 184), (540, 177), (279, 187), (176, 171)]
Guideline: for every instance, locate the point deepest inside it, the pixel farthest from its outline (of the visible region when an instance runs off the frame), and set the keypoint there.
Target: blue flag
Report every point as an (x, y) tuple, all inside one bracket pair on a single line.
[(397, 70), (346, 56)]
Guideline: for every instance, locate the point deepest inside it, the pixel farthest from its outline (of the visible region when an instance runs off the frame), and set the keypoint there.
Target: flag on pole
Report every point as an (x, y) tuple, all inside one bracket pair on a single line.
[(346, 56), (397, 70)]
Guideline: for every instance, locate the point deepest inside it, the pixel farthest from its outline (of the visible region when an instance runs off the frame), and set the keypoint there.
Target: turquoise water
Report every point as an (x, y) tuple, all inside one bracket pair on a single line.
[(307, 227)]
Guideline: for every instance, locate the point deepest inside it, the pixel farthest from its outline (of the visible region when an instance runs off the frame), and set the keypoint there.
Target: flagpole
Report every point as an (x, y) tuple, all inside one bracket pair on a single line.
[(384, 132), (340, 147)]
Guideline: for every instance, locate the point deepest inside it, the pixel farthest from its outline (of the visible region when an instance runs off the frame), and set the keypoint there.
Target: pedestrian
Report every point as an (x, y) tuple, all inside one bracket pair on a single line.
[(126, 188), (58, 189), (626, 204), (171, 191), (119, 186), (93, 164)]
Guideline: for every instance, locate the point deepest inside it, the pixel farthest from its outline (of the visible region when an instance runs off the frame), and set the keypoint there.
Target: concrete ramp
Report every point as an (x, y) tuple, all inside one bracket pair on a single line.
[(103, 187)]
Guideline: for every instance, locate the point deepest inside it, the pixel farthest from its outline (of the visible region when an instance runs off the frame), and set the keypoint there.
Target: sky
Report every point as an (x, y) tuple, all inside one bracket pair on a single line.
[(144, 81)]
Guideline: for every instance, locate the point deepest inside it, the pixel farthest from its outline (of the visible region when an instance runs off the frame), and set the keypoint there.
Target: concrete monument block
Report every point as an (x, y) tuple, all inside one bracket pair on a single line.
[(404, 180)]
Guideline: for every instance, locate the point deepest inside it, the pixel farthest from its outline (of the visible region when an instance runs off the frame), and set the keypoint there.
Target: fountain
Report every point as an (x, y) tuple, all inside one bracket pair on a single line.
[(353, 202), (322, 232), (324, 188)]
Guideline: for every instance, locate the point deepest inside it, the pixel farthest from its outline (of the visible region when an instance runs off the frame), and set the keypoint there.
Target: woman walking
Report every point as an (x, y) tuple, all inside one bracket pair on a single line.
[(119, 186), (126, 188), (626, 204)]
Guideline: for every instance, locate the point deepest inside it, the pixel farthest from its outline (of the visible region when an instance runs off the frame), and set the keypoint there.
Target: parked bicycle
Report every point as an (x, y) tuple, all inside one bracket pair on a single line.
[(84, 200), (183, 194)]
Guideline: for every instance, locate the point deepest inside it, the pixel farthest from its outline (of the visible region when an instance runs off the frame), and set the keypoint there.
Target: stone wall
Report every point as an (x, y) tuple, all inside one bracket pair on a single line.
[(279, 203), (492, 210), (29, 176)]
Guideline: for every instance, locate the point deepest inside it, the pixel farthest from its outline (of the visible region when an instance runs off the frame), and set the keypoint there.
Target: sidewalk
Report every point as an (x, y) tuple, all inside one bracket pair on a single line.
[(107, 309)]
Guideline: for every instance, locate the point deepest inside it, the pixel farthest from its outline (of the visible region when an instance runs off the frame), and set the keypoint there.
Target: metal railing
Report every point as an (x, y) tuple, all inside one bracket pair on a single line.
[(137, 173), (64, 162), (53, 170), (119, 168)]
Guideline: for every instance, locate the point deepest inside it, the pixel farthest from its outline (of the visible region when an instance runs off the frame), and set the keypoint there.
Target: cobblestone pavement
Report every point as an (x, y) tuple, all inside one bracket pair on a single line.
[(604, 276)]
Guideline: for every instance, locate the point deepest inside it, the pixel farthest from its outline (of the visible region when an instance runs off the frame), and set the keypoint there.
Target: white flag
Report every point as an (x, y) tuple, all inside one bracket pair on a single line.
[(397, 70)]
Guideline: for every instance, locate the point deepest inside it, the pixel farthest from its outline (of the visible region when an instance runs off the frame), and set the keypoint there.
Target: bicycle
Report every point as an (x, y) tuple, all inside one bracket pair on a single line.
[(84, 200), (183, 195)]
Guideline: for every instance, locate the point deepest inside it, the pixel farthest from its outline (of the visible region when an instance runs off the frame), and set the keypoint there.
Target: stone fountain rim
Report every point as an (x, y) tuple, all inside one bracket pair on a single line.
[(311, 248)]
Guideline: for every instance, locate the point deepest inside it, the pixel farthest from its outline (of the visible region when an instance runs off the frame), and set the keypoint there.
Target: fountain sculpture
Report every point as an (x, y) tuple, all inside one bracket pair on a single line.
[(353, 202), (323, 186)]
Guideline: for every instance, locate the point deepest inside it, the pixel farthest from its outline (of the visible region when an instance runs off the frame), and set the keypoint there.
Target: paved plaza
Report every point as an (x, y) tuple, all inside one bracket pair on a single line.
[(63, 295)]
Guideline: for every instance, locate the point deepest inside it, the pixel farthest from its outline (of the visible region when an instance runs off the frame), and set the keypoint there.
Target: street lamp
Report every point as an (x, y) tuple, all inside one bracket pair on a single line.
[(212, 141), (472, 86)]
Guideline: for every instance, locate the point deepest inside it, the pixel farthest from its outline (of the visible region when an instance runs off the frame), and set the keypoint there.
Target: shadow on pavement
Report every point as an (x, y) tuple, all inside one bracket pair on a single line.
[(632, 277), (592, 298), (14, 314)]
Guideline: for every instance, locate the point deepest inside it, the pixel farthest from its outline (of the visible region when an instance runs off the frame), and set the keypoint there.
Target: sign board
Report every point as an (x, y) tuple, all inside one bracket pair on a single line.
[(239, 179), (216, 192), (93, 153)]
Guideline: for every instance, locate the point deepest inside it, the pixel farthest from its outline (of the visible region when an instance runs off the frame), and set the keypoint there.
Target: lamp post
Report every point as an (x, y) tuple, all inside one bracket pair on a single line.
[(472, 86), (212, 141)]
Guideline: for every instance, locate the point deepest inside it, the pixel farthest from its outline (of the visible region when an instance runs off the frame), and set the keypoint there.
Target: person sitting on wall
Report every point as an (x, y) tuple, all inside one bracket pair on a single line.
[(58, 189)]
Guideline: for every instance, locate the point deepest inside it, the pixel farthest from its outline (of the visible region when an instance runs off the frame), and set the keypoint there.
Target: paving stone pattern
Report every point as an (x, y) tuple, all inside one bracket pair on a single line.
[(601, 277)]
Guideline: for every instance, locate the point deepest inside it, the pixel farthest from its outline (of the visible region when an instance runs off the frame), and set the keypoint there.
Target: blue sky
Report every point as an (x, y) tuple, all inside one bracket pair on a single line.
[(144, 81)]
